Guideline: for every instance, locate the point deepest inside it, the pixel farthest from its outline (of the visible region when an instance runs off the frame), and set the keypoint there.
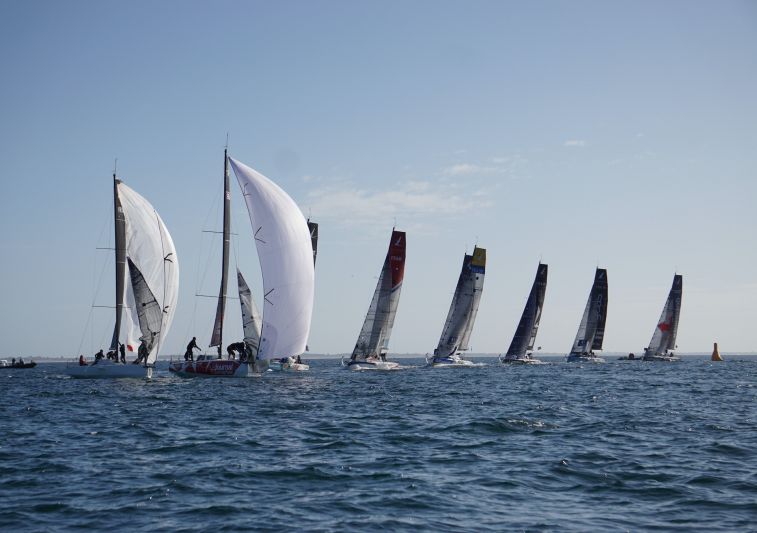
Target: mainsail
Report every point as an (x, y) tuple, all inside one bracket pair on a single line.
[(373, 340), (251, 318), (313, 228), (525, 335), (120, 250), (216, 338), (150, 253), (464, 307), (664, 336), (591, 332), (286, 260)]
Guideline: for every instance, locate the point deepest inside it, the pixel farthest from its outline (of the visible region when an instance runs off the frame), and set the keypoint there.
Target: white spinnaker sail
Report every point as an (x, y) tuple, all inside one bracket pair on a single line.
[(251, 318), (285, 252), (151, 249)]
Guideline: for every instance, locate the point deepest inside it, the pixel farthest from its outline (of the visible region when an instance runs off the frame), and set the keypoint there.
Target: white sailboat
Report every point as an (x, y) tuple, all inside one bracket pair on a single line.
[(373, 342), (663, 343), (591, 331), (146, 301), (285, 253), (458, 327), (520, 350)]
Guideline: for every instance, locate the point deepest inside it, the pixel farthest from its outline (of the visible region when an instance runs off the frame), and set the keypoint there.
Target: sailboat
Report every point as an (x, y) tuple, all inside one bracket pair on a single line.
[(462, 313), (373, 342), (523, 341), (285, 253), (146, 299), (591, 331), (663, 343)]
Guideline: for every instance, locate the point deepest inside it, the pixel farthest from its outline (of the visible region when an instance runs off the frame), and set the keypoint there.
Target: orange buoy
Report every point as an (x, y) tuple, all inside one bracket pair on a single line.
[(716, 353)]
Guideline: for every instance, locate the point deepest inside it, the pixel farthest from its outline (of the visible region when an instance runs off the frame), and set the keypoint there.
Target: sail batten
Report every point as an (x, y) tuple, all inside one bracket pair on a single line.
[(590, 333), (525, 334), (373, 340), (285, 252), (462, 313)]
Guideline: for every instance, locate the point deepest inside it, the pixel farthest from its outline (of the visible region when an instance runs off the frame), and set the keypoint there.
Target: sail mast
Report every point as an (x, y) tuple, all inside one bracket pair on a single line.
[(217, 337), (120, 251)]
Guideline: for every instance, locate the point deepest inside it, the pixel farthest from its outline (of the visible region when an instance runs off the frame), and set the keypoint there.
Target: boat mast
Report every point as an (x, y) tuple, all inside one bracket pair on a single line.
[(120, 249), (217, 338)]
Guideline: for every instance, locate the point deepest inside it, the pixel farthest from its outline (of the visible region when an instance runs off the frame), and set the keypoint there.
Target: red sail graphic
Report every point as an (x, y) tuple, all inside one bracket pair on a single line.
[(397, 257)]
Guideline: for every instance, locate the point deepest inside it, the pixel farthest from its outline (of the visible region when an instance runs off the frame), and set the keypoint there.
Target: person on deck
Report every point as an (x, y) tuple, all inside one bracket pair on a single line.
[(82, 361), (141, 353), (234, 349), (189, 355), (122, 349), (99, 355)]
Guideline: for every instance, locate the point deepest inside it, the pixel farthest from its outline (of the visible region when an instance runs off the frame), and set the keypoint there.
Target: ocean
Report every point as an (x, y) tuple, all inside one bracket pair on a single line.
[(617, 446)]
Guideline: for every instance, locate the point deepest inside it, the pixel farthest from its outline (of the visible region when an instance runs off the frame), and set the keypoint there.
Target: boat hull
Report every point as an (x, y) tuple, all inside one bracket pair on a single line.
[(661, 358), (11, 366), (451, 362), (295, 367), (528, 361), (572, 358), (370, 365), (108, 370), (213, 368)]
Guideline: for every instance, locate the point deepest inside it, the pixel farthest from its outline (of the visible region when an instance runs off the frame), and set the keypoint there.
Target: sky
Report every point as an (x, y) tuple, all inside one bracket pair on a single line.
[(580, 134)]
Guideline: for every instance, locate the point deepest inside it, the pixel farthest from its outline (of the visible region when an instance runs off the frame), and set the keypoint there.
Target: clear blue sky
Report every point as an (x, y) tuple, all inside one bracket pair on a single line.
[(618, 134)]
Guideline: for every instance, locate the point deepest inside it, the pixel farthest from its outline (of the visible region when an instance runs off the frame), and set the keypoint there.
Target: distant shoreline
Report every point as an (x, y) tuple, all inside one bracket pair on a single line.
[(336, 357)]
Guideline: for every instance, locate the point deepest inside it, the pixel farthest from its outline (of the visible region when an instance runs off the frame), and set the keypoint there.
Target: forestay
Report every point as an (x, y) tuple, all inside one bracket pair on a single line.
[(151, 250), (664, 336), (525, 334), (591, 331), (374, 337), (464, 307), (286, 261)]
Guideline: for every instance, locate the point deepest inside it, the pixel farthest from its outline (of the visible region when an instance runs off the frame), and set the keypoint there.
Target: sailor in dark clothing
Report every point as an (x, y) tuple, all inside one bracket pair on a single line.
[(122, 349), (235, 348), (99, 355), (141, 353), (189, 355)]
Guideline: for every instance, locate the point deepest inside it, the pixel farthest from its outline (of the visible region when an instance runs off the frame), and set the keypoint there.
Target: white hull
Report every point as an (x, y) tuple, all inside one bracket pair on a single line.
[(295, 367), (585, 359), (105, 369), (451, 362), (370, 365), (663, 358), (528, 361)]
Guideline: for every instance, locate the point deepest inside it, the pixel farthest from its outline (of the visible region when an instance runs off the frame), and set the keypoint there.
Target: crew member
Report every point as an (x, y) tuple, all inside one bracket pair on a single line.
[(235, 348), (189, 355)]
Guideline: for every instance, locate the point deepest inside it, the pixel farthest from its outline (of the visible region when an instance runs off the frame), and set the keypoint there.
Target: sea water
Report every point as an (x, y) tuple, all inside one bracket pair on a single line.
[(616, 446)]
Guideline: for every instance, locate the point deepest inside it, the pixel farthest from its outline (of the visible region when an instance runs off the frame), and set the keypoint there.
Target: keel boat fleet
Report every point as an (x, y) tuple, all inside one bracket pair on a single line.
[(147, 280)]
